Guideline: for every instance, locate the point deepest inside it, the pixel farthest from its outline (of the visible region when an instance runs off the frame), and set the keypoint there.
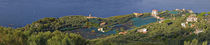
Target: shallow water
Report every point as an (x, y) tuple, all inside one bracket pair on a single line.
[(143, 21), (21, 12)]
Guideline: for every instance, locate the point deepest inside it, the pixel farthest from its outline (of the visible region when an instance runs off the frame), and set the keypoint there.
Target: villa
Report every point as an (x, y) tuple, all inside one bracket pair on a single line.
[(154, 12), (162, 18), (190, 11), (144, 30), (192, 18), (101, 29), (183, 9), (183, 24)]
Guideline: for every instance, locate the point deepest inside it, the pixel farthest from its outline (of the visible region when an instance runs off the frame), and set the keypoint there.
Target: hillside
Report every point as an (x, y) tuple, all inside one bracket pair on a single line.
[(176, 27), (174, 30), (89, 27)]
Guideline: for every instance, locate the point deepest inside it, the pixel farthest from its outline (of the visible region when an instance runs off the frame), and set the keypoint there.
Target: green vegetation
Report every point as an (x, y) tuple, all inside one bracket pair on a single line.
[(171, 32), (60, 31), (9, 36), (195, 42)]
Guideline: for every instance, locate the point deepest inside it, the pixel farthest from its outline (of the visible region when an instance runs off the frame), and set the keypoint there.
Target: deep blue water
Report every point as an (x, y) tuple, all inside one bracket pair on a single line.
[(23, 12)]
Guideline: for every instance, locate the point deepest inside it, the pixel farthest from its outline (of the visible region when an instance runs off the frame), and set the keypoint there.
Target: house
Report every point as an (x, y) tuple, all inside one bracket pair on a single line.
[(177, 9), (192, 18), (90, 16), (183, 9), (197, 31), (183, 24), (158, 17), (101, 29), (192, 25), (190, 11), (123, 33), (154, 12), (180, 10), (103, 23), (137, 14), (183, 15), (162, 18), (144, 30)]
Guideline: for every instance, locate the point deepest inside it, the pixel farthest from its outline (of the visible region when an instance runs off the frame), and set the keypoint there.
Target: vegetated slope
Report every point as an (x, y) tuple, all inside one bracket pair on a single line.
[(87, 27), (173, 30), (167, 32), (9, 36)]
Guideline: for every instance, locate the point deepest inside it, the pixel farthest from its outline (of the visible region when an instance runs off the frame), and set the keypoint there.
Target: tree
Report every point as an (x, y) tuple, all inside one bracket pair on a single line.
[(201, 15), (205, 43), (208, 13)]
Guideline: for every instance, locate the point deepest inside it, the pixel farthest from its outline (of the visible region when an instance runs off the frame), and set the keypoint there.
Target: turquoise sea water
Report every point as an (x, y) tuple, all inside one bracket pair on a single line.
[(143, 21)]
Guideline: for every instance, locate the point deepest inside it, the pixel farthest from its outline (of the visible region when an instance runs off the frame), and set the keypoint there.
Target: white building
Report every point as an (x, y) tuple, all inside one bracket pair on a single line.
[(154, 12), (177, 9), (183, 24), (198, 31), (190, 11), (192, 18), (183, 9), (101, 29), (144, 30)]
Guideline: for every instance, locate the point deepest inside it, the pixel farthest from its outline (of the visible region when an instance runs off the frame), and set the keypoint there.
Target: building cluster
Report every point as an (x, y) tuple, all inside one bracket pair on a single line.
[(181, 10), (155, 13), (189, 20), (192, 18)]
